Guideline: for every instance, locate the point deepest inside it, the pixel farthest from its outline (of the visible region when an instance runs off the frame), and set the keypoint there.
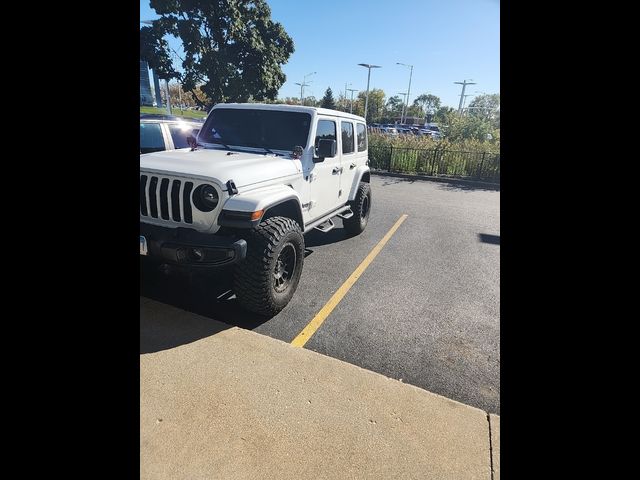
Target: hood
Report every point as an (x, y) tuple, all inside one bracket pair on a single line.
[(241, 167)]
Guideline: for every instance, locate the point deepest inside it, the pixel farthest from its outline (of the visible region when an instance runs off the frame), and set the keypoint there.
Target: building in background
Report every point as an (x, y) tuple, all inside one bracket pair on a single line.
[(146, 98)]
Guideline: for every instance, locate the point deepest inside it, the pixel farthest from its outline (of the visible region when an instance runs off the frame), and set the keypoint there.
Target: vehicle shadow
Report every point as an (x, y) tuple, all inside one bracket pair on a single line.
[(395, 180), (209, 297), (468, 187), (316, 239)]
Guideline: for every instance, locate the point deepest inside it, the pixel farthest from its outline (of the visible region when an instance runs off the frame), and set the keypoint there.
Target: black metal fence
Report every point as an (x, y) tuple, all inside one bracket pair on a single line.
[(483, 166)]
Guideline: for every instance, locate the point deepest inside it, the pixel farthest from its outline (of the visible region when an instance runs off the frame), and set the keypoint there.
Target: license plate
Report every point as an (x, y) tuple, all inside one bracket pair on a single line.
[(143, 245)]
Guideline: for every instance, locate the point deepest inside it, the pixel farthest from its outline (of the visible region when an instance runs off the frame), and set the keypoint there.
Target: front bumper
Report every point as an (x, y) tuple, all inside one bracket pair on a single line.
[(187, 247)]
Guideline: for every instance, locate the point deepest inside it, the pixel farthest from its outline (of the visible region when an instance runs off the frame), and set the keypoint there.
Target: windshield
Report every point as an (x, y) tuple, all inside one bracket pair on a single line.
[(272, 129)]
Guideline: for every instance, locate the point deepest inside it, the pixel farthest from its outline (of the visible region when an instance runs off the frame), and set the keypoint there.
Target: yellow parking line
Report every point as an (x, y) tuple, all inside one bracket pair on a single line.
[(304, 336)]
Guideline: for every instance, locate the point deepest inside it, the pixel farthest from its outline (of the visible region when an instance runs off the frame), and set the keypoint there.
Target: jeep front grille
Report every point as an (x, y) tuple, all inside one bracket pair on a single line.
[(162, 198)]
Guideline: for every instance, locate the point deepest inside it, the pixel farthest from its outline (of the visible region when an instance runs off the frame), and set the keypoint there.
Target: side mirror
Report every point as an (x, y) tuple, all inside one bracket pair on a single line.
[(326, 149), (191, 141)]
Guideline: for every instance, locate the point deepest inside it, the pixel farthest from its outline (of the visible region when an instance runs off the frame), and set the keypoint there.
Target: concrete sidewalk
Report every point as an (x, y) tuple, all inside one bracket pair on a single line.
[(233, 404)]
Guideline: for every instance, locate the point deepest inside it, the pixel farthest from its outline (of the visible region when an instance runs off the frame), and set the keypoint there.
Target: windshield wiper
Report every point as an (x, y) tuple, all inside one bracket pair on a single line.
[(268, 150), (223, 144)]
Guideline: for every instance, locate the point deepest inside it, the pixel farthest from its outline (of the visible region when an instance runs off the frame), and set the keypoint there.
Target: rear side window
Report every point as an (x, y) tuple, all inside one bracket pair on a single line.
[(179, 134), (326, 130), (347, 137), (151, 139), (362, 137)]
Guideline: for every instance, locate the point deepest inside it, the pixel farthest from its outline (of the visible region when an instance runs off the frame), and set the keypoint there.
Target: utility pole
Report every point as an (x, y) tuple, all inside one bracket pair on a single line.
[(351, 90), (366, 102), (304, 84), (464, 84), (403, 118)]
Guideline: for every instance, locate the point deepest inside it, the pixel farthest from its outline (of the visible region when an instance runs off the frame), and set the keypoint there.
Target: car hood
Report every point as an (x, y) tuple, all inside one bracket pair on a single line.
[(241, 167)]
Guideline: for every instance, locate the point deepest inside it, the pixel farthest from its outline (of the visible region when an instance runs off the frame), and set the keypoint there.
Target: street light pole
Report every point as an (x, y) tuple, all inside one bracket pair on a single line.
[(366, 102), (404, 100), (302, 85), (351, 90), (403, 118)]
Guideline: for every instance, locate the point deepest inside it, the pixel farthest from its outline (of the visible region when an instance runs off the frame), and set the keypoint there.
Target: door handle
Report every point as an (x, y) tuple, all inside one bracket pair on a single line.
[(352, 166), (337, 170)]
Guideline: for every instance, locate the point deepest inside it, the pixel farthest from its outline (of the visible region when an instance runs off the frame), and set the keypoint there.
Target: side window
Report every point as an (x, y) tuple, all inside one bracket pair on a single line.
[(179, 134), (347, 137), (362, 137), (151, 139), (326, 130)]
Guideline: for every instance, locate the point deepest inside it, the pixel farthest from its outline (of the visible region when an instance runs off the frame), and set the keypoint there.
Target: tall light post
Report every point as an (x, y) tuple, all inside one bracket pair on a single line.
[(302, 85), (351, 90), (464, 84), (366, 102), (403, 119), (404, 99)]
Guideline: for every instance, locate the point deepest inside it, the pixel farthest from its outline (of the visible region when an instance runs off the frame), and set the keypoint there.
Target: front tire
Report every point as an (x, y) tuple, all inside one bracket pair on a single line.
[(361, 207), (267, 278)]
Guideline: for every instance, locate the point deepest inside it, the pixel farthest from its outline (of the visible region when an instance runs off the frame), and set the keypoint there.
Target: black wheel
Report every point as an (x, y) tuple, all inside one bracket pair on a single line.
[(361, 207), (267, 278)]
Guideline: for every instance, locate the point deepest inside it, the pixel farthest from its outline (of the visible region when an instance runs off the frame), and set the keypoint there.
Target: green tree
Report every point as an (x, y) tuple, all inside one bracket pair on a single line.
[(426, 105), (328, 101), (444, 115), (311, 101), (486, 107), (468, 127), (232, 48), (393, 107), (375, 110)]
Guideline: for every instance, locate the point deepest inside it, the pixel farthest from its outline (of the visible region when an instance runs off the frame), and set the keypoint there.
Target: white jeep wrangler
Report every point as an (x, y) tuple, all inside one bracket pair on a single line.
[(256, 179)]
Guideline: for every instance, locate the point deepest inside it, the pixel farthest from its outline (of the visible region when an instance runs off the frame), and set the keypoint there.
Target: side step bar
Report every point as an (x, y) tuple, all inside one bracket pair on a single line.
[(346, 215), (326, 226), (345, 209)]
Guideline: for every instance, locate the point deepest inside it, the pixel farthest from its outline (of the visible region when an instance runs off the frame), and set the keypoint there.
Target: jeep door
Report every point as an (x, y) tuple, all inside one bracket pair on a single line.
[(354, 154), (324, 177)]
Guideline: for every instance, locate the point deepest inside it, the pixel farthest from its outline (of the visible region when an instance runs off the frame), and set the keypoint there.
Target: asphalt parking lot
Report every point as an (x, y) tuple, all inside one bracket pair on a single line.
[(426, 310)]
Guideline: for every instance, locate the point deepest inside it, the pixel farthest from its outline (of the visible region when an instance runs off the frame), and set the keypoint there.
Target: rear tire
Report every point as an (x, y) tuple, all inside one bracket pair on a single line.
[(267, 278), (361, 207)]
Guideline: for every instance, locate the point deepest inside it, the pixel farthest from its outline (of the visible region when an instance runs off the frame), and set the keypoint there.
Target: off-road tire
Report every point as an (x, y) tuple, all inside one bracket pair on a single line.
[(361, 207), (259, 280)]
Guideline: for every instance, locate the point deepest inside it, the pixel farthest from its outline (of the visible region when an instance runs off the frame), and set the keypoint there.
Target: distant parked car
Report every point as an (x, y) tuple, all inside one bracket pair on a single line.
[(157, 135), (389, 131)]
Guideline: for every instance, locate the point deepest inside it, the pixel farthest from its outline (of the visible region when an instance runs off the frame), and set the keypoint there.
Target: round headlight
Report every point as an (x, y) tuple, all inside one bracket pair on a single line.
[(205, 198)]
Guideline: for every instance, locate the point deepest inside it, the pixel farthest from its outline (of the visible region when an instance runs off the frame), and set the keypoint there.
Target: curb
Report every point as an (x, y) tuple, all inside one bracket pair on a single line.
[(490, 186)]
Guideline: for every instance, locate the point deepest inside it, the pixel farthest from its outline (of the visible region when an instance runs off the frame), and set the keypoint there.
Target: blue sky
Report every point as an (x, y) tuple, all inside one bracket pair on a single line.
[(445, 41)]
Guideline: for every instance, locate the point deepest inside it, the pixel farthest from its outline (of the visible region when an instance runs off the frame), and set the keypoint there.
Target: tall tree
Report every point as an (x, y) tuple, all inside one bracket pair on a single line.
[(232, 48), (375, 109), (426, 105), (328, 101), (393, 107)]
